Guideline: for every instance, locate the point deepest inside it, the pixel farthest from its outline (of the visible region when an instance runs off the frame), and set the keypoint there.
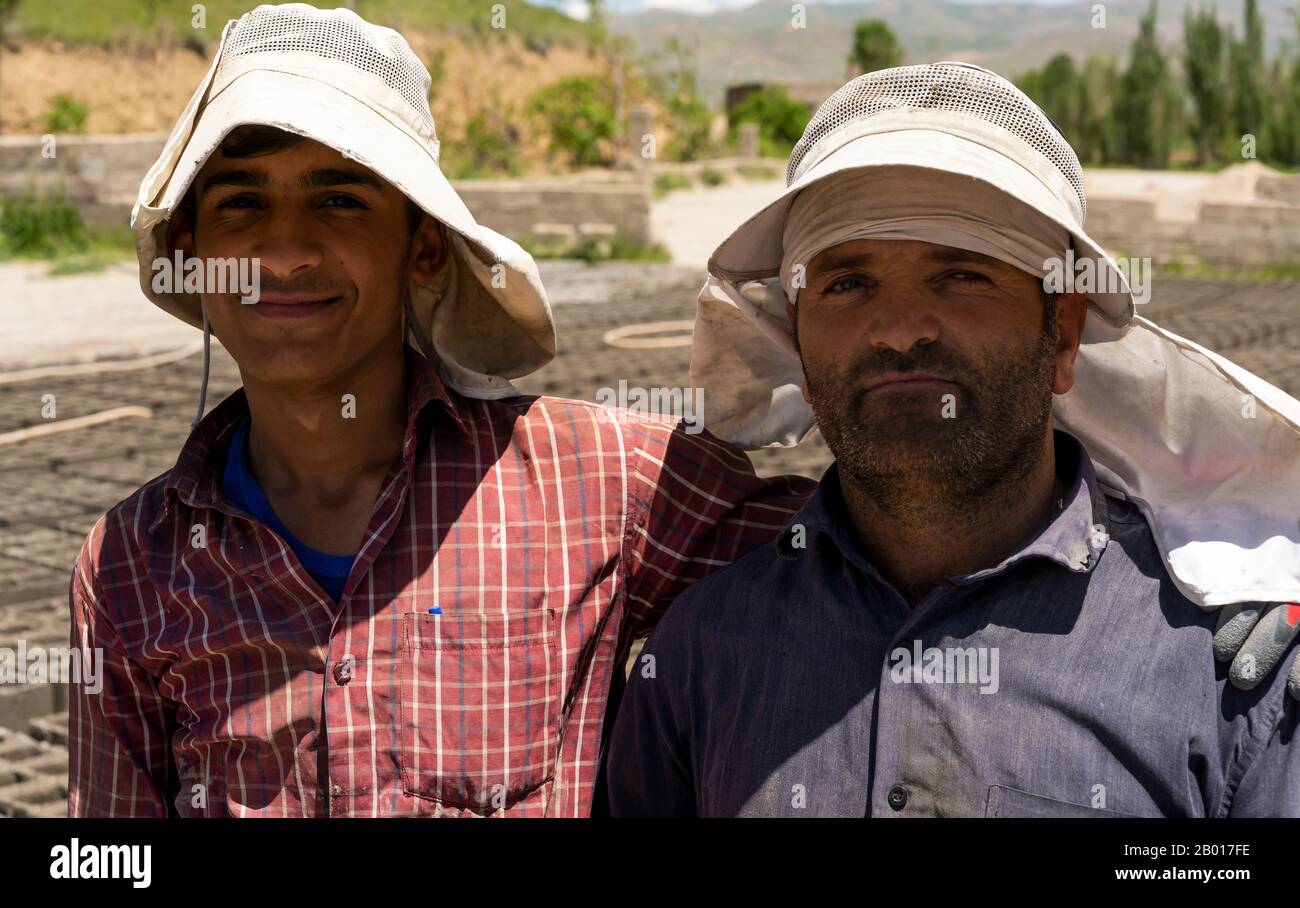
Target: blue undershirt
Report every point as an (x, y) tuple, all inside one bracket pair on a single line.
[(241, 487)]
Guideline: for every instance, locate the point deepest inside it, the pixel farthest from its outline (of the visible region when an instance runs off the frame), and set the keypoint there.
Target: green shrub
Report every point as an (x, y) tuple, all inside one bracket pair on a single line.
[(490, 148), (690, 120), (46, 226), (65, 114), (437, 68), (712, 177), (756, 172), (670, 182), (619, 247)]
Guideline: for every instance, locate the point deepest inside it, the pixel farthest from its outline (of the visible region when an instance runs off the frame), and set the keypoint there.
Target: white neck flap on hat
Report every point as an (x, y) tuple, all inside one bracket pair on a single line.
[(1209, 452)]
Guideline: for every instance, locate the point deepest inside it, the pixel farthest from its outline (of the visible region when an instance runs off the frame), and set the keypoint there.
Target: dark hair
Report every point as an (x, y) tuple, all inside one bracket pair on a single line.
[(1049, 311), (251, 141)]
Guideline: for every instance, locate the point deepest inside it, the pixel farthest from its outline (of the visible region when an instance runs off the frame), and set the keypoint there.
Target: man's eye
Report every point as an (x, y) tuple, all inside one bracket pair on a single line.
[(347, 200), (969, 277), (236, 201), (844, 285)]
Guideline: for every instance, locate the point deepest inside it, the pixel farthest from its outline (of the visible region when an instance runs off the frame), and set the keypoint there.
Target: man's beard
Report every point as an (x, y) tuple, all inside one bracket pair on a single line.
[(912, 461)]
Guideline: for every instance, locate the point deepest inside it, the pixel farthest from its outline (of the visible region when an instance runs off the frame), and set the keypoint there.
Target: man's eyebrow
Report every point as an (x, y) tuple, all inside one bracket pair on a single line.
[(340, 176), (942, 254), (956, 256), (835, 261), (256, 179), (312, 179)]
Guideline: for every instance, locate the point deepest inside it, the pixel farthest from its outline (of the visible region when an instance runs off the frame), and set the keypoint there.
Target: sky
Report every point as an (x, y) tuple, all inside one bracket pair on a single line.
[(578, 8)]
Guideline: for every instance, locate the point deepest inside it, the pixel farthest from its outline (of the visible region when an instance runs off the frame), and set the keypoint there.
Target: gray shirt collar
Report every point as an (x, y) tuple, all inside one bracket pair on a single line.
[(1074, 535)]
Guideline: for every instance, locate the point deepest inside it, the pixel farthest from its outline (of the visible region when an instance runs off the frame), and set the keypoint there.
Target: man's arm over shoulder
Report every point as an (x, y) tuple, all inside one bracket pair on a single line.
[(119, 752), (697, 506)]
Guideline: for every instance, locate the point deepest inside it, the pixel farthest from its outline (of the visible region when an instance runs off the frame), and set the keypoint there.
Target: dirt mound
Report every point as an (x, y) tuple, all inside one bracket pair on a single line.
[(131, 91)]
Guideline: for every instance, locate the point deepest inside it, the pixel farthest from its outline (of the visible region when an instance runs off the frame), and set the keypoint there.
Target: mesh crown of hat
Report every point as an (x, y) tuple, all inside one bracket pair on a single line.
[(959, 87), (338, 35)]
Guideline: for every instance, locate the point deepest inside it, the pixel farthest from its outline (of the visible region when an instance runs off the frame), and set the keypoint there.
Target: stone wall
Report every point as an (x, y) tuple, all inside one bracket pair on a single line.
[(102, 175), (1237, 233), (559, 210)]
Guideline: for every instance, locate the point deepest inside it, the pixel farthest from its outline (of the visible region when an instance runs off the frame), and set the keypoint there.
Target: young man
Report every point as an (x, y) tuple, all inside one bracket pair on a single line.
[(376, 582), (965, 619)]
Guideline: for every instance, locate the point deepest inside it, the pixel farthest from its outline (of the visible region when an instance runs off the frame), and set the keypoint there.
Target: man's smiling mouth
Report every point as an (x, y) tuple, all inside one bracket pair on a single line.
[(276, 305)]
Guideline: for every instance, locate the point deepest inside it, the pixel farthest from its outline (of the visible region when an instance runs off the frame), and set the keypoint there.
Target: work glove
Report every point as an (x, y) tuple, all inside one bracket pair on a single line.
[(1255, 636)]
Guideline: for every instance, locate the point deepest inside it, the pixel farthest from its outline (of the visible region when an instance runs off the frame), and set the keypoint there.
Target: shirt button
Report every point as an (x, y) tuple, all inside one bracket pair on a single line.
[(336, 790), (343, 669), (897, 797)]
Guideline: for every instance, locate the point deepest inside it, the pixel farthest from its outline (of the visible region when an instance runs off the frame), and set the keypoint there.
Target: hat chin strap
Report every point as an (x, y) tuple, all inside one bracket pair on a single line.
[(412, 327), (207, 361)]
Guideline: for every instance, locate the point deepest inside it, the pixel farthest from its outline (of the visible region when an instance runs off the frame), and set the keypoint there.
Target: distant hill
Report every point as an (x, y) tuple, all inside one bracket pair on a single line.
[(757, 42), (109, 21)]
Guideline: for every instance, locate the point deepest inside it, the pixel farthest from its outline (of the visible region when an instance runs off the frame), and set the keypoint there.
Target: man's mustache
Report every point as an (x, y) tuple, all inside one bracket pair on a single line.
[(935, 361), (322, 287)]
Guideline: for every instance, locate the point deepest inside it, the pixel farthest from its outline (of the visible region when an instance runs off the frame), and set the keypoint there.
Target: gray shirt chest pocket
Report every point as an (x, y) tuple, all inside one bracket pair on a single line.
[(1009, 802)]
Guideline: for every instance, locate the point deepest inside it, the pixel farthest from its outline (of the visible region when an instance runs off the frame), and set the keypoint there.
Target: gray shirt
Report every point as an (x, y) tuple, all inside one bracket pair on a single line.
[(1071, 679)]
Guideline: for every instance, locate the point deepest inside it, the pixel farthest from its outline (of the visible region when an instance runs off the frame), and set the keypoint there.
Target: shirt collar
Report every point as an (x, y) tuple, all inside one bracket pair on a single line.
[(1074, 535), (196, 477)]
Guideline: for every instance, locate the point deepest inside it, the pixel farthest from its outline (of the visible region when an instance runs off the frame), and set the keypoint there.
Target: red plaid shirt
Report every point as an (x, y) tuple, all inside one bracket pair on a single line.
[(550, 532)]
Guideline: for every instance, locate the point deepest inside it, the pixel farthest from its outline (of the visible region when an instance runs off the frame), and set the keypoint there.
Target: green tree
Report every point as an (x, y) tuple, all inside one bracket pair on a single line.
[(1142, 107), (1203, 64), (875, 46), (1097, 137), (689, 118), (1281, 142), (1246, 65), (1059, 93), (781, 119), (579, 116)]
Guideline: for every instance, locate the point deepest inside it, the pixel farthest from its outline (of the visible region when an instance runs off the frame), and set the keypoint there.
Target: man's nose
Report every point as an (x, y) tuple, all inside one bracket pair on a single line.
[(900, 319), (287, 243)]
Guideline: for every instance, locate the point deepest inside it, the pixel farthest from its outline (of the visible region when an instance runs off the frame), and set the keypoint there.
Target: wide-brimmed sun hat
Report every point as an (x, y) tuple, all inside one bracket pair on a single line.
[(358, 88), (951, 119), (953, 154)]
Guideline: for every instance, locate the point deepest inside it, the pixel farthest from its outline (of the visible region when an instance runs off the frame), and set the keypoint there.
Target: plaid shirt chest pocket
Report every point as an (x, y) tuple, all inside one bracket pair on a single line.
[(480, 706)]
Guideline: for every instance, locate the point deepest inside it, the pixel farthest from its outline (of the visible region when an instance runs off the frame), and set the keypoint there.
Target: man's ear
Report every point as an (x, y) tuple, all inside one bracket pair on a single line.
[(1071, 313), (429, 250), (180, 235)]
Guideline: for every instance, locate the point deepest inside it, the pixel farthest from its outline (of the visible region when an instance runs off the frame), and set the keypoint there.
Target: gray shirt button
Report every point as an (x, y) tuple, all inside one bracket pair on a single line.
[(897, 797)]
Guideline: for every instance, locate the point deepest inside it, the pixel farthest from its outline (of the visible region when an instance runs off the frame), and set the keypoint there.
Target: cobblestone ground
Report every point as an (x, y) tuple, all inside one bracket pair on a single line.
[(53, 488)]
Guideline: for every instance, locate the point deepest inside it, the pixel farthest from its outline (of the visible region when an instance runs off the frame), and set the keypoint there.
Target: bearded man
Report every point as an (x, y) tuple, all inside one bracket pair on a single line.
[(990, 605)]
